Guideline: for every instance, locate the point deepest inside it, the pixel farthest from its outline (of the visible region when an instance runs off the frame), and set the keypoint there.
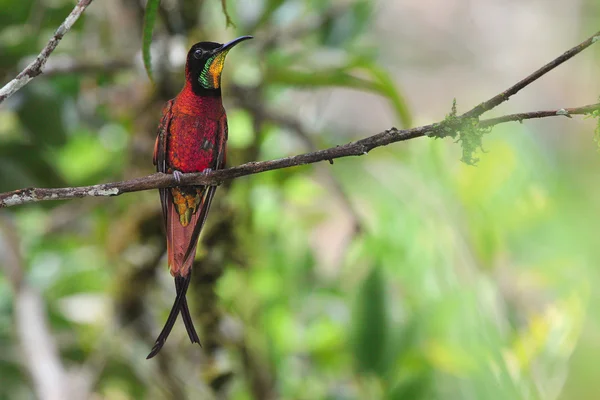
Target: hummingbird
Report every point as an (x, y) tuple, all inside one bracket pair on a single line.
[(192, 137)]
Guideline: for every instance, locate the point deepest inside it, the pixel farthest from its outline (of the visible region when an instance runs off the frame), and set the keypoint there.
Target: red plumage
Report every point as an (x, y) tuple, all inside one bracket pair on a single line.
[(195, 141), (194, 127)]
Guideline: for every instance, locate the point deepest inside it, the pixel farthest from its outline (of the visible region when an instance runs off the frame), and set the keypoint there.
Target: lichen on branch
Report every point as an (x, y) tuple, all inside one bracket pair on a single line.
[(465, 130)]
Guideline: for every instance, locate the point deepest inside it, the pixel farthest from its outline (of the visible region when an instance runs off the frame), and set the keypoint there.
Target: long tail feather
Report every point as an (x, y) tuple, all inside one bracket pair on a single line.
[(187, 318), (181, 286)]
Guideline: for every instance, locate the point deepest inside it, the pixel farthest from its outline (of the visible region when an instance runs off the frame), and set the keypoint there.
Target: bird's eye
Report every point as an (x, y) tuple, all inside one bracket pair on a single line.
[(198, 54)]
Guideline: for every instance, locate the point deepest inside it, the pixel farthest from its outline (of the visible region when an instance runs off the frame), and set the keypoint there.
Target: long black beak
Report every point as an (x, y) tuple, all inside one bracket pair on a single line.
[(229, 45)]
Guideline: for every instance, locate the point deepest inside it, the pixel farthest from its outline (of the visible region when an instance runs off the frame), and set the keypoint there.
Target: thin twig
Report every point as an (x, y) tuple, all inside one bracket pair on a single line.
[(505, 95), (228, 20), (357, 148), (35, 68), (566, 112)]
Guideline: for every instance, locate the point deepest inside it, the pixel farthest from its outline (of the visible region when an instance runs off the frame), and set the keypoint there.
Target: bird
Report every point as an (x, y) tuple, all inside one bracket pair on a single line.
[(192, 137)]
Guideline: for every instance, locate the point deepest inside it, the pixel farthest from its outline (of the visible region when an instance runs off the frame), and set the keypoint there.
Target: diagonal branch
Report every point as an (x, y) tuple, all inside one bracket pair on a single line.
[(357, 148), (35, 67), (505, 95)]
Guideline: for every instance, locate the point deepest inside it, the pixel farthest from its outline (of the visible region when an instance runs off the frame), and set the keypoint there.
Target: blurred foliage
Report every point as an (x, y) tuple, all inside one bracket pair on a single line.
[(458, 282)]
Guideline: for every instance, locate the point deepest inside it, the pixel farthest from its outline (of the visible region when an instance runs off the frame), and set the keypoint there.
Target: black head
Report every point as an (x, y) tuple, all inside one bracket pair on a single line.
[(205, 62)]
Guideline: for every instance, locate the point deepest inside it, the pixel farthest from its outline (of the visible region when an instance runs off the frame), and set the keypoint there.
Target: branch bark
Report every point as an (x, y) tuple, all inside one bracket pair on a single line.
[(357, 148), (35, 67)]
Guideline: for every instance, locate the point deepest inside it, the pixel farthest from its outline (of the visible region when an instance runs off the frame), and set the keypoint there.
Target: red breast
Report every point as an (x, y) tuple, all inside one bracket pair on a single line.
[(193, 130)]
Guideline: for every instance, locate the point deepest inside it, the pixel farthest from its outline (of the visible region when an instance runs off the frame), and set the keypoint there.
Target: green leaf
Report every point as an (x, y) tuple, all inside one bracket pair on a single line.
[(371, 326), (341, 77), (149, 20)]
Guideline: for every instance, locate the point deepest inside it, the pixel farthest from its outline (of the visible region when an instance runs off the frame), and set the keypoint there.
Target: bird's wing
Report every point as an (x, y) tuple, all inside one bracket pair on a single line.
[(160, 154)]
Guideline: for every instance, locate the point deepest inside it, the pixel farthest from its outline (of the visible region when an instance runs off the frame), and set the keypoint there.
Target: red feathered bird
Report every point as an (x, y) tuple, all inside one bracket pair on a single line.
[(191, 138)]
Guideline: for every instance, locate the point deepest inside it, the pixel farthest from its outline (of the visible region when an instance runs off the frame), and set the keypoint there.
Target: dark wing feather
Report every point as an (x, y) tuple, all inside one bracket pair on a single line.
[(160, 154)]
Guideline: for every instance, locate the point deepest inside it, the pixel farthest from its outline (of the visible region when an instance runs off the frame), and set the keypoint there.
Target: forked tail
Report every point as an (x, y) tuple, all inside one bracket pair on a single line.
[(180, 304), (187, 318)]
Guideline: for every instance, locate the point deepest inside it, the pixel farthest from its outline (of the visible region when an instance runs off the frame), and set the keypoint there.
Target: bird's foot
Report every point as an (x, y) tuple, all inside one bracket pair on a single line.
[(177, 175), (207, 171)]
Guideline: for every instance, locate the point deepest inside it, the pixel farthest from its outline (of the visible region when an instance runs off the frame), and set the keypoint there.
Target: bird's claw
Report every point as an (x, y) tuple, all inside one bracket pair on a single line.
[(177, 175)]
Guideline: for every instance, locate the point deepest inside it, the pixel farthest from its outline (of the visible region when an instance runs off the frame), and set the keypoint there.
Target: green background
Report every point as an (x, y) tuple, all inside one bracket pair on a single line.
[(404, 274)]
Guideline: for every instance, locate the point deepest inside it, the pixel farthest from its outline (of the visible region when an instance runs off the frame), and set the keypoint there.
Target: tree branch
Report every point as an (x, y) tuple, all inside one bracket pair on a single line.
[(566, 112), (357, 148), (35, 67), (514, 89)]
